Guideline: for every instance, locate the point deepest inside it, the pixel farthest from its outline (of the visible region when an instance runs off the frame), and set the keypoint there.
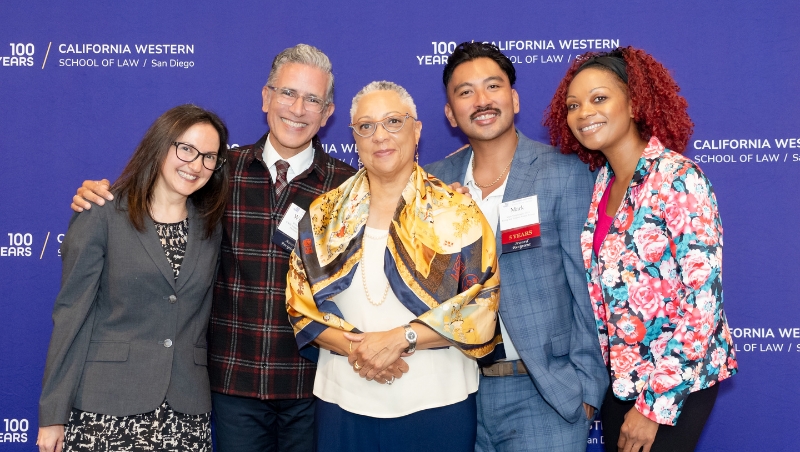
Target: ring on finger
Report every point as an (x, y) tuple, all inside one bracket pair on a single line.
[(356, 366), (388, 382)]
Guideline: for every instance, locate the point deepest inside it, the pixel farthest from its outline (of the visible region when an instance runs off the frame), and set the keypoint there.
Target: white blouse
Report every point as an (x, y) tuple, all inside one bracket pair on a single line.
[(435, 378)]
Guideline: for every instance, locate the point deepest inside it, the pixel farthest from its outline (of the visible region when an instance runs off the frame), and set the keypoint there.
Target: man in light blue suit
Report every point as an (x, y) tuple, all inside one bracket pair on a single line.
[(549, 378)]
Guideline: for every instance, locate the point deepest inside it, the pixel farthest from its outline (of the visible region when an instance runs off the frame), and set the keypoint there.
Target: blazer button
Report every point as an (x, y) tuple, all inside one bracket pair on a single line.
[(168, 343), (173, 298)]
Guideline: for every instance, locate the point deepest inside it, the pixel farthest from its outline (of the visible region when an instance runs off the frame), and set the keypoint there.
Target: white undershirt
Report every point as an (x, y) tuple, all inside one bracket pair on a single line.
[(490, 206), (435, 378), (297, 163)]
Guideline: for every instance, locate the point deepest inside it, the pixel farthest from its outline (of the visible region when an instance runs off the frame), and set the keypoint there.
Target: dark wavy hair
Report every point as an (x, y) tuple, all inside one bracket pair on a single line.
[(658, 109), (468, 51), (138, 179)]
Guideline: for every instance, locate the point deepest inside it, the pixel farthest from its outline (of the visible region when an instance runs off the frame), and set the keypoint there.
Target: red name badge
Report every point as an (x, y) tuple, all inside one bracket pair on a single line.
[(519, 239)]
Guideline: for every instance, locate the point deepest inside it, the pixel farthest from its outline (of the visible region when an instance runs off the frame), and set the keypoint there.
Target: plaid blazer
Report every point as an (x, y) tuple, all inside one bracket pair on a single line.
[(252, 350)]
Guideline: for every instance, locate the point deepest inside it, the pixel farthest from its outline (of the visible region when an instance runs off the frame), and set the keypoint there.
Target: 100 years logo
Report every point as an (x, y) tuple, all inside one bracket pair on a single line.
[(14, 431), (21, 55)]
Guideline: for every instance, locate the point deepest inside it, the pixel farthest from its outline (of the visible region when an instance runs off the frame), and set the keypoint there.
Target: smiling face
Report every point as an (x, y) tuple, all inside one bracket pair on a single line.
[(599, 112), (179, 178), (291, 127), (481, 101), (386, 155)]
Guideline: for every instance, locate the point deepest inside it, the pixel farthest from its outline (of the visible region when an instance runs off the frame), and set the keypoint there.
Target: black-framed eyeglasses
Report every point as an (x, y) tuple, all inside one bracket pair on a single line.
[(188, 153), (392, 124), (288, 96)]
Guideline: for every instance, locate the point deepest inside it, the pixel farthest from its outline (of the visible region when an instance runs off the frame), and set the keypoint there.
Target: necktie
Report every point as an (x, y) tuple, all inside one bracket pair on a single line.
[(281, 166)]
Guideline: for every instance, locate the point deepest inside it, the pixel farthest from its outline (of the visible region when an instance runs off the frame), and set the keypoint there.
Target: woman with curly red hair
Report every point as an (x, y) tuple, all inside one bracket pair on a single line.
[(652, 247)]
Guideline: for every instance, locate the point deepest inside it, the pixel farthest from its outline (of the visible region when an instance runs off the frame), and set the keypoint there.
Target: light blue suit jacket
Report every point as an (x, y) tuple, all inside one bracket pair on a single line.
[(544, 300)]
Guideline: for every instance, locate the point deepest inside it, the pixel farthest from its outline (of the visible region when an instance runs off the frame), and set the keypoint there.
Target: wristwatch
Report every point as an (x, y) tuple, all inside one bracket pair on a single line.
[(411, 337)]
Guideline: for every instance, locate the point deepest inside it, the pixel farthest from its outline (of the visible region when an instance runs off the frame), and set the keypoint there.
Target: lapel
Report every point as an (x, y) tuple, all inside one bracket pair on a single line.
[(194, 245), (520, 178), (457, 170), (600, 186), (152, 244)]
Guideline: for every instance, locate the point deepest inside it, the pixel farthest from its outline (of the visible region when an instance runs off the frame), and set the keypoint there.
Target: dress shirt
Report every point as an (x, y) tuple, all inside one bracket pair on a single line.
[(297, 163)]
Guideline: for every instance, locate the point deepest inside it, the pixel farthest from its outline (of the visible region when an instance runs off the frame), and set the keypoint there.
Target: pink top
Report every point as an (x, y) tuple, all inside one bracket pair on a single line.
[(603, 219)]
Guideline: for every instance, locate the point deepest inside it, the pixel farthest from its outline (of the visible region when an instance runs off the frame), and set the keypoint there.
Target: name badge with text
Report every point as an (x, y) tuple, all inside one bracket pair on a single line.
[(286, 234), (519, 224)]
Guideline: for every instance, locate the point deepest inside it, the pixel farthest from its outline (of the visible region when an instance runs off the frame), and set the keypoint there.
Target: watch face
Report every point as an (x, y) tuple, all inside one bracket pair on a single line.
[(411, 335)]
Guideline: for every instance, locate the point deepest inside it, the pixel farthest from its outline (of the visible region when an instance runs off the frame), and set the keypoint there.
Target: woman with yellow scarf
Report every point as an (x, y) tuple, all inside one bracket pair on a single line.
[(394, 278)]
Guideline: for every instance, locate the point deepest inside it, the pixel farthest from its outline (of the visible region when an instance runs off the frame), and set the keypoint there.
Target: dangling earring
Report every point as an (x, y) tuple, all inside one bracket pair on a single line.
[(416, 154)]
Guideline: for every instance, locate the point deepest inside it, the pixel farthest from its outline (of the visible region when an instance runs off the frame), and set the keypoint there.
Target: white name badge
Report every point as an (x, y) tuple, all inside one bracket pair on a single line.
[(286, 234), (519, 224)]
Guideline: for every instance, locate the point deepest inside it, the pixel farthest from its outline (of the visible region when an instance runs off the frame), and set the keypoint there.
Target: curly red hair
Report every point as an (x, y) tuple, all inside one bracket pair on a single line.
[(658, 109)]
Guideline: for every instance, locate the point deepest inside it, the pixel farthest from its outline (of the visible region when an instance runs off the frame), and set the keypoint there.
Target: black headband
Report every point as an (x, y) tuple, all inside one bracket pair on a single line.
[(611, 61)]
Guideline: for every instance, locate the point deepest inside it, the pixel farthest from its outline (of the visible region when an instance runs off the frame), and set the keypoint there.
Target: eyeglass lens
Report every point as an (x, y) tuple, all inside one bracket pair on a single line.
[(392, 124), (288, 96), (187, 153)]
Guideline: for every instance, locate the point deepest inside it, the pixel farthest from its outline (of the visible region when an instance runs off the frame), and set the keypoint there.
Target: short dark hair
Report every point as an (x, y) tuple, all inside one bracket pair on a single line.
[(138, 179), (468, 51)]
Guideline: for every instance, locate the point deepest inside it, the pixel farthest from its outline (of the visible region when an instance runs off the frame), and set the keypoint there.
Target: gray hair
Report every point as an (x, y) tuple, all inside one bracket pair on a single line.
[(383, 85), (303, 54)]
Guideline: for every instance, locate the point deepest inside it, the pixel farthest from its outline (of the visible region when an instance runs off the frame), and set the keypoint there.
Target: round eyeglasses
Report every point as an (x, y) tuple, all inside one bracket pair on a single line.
[(188, 153), (392, 124), (288, 96)]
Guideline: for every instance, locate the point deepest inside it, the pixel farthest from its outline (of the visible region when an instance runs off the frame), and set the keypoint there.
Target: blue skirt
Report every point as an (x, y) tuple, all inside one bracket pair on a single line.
[(450, 428)]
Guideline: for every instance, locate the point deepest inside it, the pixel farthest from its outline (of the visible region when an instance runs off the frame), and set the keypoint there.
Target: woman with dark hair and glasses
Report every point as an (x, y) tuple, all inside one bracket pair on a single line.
[(394, 279), (652, 247), (126, 367)]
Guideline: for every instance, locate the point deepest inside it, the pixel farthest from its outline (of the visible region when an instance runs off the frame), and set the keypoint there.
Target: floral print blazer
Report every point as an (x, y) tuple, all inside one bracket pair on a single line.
[(656, 285)]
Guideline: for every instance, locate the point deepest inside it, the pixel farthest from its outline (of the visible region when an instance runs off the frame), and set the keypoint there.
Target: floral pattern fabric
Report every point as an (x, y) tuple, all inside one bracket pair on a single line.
[(161, 430), (173, 239), (440, 262), (656, 285)]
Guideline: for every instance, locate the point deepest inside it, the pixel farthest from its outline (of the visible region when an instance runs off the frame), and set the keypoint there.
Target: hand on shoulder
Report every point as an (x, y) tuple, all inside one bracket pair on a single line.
[(91, 192)]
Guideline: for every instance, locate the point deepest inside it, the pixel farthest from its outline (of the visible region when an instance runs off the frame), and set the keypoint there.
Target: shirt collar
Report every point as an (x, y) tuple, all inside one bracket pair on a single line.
[(297, 163), (469, 182)]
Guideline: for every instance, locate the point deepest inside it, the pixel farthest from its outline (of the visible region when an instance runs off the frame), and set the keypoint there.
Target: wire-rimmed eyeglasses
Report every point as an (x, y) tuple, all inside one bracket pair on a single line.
[(188, 153), (392, 124), (288, 96)]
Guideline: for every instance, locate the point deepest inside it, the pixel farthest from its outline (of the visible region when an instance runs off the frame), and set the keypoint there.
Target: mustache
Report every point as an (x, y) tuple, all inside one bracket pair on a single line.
[(481, 111)]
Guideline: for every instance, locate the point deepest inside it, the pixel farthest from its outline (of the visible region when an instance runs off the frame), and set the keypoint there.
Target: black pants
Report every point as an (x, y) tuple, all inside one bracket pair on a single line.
[(245, 424), (681, 437)]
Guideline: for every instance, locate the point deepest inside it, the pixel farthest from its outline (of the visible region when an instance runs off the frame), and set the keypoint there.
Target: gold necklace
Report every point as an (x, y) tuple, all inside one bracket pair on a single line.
[(498, 177), (364, 272)]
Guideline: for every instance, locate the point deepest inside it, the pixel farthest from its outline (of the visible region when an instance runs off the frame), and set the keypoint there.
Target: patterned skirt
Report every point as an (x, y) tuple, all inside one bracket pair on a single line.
[(159, 430)]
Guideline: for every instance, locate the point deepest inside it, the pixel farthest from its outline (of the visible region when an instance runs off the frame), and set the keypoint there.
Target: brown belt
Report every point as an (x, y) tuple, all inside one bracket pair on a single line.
[(504, 369)]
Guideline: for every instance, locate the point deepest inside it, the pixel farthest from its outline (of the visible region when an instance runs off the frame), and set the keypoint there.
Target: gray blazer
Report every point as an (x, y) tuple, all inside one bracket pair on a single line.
[(544, 299), (126, 334)]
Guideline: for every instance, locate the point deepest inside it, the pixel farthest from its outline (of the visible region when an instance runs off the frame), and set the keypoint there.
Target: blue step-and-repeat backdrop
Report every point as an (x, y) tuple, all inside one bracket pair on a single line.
[(81, 81)]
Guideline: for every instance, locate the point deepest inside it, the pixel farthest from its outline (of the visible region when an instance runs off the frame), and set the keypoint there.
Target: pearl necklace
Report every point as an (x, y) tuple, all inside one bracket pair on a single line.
[(364, 272)]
